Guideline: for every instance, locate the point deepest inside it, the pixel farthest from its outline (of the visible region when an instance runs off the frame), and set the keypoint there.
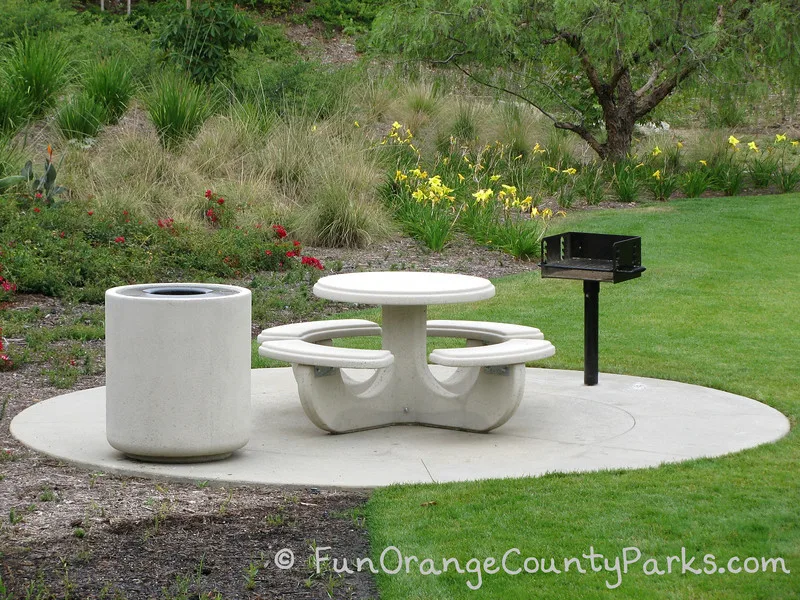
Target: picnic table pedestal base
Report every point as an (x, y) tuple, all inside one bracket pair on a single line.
[(472, 398)]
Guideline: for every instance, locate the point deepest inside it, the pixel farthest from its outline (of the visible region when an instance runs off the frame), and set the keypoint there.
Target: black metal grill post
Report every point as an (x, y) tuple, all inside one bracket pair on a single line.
[(591, 329), (592, 257)]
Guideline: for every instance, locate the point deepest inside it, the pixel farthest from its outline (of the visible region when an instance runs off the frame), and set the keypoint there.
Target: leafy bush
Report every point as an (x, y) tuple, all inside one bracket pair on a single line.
[(590, 185), (177, 107), (37, 68), (200, 40), (81, 117), (37, 16), (352, 16), (109, 84), (763, 169)]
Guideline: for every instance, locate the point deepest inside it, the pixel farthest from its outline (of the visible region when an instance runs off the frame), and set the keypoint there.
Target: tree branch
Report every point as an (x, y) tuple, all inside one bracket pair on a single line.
[(662, 90), (576, 43), (505, 90), (585, 134)]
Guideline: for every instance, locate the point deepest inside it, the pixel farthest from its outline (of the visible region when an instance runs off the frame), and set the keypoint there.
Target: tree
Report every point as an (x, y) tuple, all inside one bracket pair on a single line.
[(596, 67)]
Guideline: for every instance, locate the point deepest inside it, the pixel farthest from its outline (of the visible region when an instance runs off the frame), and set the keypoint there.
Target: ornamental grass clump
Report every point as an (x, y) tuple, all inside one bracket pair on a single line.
[(177, 107), (38, 69), (109, 84), (80, 118)]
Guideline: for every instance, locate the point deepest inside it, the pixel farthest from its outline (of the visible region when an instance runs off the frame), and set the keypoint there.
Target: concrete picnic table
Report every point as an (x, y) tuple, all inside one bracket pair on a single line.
[(481, 394)]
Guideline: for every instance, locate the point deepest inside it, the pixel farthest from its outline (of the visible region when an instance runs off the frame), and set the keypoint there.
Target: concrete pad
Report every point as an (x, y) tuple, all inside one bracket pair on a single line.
[(622, 423)]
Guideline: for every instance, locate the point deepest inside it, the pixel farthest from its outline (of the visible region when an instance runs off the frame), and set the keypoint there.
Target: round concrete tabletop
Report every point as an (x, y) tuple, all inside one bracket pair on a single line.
[(404, 288)]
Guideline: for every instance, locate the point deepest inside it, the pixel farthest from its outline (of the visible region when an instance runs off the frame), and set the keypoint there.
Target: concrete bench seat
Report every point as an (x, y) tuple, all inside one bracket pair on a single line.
[(509, 352), (483, 331), (317, 331), (300, 352)]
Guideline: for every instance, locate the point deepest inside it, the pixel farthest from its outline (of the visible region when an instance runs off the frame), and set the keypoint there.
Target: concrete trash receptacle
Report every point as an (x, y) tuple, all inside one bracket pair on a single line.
[(178, 370)]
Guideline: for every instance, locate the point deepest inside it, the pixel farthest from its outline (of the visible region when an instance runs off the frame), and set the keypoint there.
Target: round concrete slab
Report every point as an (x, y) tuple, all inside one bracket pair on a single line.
[(622, 423)]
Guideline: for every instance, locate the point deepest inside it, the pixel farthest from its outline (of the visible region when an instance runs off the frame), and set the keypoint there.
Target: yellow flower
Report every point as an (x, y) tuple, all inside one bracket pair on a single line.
[(483, 195), (547, 213), (535, 211), (537, 149), (570, 171), (657, 174), (552, 169), (780, 137), (637, 166), (679, 145), (445, 160), (795, 142), (313, 128), (418, 195), (733, 141), (396, 125), (400, 176), (356, 124), (703, 162), (656, 151), (460, 177), (494, 177), (509, 188), (518, 157), (752, 146), (561, 213)]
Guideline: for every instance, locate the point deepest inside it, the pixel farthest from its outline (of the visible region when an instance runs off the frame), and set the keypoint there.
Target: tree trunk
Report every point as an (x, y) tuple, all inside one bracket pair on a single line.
[(619, 135)]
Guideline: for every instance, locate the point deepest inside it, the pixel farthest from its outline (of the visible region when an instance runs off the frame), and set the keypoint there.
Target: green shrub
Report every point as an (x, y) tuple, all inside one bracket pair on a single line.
[(109, 84), (352, 16), (177, 107), (81, 117), (589, 184), (694, 183), (37, 16), (200, 40), (37, 68), (14, 108)]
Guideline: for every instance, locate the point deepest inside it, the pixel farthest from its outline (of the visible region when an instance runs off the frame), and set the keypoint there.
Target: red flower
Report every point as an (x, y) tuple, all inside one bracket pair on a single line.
[(279, 230), (210, 214), (38, 195), (312, 262), (268, 252), (296, 243), (125, 213), (62, 234), (161, 224), (209, 193), (90, 213), (220, 201), (120, 239), (36, 210), (290, 253)]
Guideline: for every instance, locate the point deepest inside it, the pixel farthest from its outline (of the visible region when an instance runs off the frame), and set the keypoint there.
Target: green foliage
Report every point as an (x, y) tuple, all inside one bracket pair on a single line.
[(662, 185), (694, 183), (352, 16), (590, 185), (789, 178), (584, 63), (81, 117), (763, 168), (110, 85), (38, 69), (178, 107), (39, 17), (626, 181), (14, 107), (200, 41)]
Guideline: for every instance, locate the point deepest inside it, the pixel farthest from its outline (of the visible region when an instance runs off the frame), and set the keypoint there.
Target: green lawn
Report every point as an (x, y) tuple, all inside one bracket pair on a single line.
[(718, 307)]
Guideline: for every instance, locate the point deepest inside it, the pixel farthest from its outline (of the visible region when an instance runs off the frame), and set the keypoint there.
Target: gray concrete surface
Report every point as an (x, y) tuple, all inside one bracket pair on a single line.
[(622, 423)]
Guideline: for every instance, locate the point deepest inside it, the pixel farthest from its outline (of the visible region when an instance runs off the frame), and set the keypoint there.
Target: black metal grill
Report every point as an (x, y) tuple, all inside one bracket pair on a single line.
[(592, 258)]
